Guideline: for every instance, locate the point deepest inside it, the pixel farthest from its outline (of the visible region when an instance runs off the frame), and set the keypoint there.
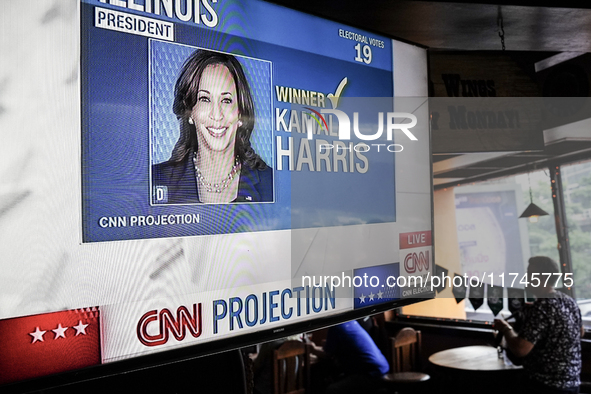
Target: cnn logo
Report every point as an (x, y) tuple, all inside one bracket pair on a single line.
[(166, 323), (414, 262)]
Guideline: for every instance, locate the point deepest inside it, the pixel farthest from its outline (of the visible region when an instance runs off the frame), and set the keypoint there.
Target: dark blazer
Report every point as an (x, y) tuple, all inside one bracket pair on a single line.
[(181, 183)]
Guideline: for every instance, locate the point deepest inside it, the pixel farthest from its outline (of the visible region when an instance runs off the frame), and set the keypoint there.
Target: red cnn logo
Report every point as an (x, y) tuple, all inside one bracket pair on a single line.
[(168, 323), (414, 261)]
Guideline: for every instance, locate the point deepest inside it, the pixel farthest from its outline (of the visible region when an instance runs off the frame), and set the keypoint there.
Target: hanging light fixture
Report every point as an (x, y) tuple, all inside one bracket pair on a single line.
[(532, 212)]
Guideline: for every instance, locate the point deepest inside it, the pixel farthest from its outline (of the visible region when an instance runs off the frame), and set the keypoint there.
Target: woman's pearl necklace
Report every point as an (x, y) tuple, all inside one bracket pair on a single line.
[(216, 187)]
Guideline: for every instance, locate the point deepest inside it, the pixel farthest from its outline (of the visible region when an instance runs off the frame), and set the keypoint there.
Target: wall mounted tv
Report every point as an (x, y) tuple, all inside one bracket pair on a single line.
[(184, 177)]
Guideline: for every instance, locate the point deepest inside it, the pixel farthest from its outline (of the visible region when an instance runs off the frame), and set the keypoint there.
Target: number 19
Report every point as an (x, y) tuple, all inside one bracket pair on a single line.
[(366, 54)]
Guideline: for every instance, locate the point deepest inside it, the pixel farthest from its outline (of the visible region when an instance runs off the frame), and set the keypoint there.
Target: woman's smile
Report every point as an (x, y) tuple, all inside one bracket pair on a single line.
[(217, 132), (216, 115)]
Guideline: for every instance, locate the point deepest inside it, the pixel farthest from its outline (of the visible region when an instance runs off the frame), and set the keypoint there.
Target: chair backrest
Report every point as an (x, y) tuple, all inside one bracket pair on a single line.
[(406, 351), (291, 365)]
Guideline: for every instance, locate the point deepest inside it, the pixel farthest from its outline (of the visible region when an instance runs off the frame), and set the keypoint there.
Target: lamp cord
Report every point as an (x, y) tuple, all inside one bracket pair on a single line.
[(502, 30), (531, 199)]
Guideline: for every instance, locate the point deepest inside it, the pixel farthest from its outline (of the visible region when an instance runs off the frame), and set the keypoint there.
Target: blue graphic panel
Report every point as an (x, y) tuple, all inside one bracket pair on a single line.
[(128, 127), (377, 285), (262, 21)]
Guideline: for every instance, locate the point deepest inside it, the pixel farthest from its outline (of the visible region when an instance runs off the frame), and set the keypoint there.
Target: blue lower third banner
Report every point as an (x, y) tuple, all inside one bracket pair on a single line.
[(375, 285)]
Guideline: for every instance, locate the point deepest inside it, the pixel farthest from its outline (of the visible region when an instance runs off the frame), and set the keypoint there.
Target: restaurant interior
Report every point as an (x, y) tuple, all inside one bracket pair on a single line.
[(528, 49)]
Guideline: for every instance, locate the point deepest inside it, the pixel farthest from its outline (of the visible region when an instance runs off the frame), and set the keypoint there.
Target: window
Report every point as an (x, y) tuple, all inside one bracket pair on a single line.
[(491, 242), (576, 180)]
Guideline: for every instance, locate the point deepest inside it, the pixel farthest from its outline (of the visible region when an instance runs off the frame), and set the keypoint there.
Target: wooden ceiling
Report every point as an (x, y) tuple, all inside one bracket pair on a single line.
[(529, 25)]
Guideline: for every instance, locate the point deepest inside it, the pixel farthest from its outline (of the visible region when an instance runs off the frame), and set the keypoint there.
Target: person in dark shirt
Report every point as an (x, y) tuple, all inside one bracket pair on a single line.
[(549, 340), (356, 354)]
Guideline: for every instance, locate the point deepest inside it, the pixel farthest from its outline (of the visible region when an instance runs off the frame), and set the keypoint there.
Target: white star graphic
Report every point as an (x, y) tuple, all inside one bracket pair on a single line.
[(80, 328), (371, 296), (60, 331), (37, 335), (362, 298), (380, 294)]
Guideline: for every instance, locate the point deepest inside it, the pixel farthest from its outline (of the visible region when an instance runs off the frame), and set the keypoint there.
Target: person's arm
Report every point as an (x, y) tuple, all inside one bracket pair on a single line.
[(318, 351), (518, 346)]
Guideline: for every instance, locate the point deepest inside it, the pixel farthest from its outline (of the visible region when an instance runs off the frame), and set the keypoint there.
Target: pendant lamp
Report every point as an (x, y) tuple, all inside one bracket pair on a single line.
[(532, 212)]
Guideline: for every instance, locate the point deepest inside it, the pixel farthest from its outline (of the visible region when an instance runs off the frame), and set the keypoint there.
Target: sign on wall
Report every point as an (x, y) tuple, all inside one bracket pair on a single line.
[(483, 103)]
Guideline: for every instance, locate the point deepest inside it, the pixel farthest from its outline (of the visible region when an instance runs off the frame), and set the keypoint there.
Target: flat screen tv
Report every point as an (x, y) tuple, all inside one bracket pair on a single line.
[(185, 177)]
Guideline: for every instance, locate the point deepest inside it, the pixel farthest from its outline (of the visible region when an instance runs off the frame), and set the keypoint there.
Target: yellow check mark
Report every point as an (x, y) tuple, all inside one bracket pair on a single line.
[(334, 98)]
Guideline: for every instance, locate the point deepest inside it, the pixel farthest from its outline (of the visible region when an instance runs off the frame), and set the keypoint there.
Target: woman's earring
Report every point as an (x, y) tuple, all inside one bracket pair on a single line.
[(239, 123), (191, 121)]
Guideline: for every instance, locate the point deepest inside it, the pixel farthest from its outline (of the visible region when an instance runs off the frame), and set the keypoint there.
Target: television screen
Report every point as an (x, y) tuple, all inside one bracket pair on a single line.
[(202, 174)]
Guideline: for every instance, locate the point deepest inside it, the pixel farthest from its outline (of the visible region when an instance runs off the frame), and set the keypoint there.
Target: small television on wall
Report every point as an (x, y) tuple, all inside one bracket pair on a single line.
[(185, 177)]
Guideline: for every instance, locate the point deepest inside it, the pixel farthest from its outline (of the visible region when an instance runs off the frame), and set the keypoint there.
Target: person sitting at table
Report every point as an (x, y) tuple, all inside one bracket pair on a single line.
[(356, 355), (549, 340)]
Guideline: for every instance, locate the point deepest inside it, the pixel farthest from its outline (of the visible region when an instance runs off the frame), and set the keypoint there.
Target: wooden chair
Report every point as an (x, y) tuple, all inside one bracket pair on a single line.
[(291, 365), (406, 360)]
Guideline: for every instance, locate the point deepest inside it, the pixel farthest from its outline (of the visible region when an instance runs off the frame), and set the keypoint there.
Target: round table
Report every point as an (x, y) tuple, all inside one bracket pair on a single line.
[(473, 369), (472, 358)]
